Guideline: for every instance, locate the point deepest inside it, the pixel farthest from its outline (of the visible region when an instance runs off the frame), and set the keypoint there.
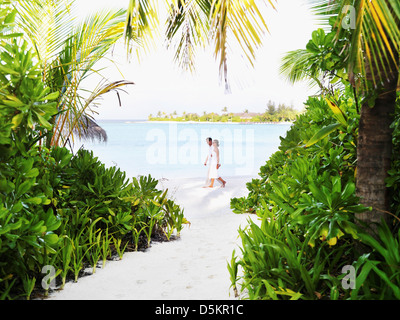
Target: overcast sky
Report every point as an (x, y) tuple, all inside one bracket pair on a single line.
[(161, 85)]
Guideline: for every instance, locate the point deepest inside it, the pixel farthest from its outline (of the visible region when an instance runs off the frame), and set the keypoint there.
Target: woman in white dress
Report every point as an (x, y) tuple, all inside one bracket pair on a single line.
[(214, 166)]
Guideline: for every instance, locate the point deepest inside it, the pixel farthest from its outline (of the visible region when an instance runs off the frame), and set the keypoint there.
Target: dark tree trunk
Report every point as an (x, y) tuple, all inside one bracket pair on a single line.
[(374, 153), (375, 141)]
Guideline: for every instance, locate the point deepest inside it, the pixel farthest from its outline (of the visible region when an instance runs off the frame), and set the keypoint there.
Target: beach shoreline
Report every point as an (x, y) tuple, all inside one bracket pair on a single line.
[(192, 267), (198, 122)]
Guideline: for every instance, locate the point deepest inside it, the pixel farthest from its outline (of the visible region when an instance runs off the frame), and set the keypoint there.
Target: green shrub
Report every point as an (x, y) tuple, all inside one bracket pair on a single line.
[(305, 199), (71, 212), (57, 209)]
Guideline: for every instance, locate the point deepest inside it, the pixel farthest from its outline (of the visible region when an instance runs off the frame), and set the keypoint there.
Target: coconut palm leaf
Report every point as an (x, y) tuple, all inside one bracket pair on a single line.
[(68, 54), (91, 130), (231, 24), (95, 37), (375, 40), (141, 23), (241, 21), (188, 21), (298, 65), (89, 43), (80, 123), (316, 68), (46, 24), (225, 23)]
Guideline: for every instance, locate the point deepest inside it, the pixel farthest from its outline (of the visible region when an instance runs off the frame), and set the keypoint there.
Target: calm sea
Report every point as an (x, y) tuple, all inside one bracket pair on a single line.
[(168, 150)]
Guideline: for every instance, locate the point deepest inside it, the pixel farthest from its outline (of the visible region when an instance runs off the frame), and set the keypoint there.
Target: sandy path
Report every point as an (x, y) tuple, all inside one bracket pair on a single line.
[(193, 267)]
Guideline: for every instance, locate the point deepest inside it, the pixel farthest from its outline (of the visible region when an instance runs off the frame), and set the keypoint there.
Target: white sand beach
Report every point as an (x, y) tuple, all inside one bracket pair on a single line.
[(193, 267)]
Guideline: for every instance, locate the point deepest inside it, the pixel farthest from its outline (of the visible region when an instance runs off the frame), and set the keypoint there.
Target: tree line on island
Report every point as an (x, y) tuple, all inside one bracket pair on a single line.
[(273, 113)]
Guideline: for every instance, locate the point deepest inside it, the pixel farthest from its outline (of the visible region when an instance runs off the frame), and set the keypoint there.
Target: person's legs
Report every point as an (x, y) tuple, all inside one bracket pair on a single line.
[(211, 184), (222, 181)]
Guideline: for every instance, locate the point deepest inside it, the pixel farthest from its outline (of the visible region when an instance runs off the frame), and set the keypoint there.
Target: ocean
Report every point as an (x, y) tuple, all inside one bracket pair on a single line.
[(178, 150)]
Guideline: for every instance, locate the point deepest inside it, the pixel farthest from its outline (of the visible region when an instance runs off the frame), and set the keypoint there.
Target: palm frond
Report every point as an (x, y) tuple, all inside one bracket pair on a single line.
[(89, 43), (301, 65), (375, 41), (229, 25), (79, 123), (141, 23), (68, 54), (46, 24), (242, 22), (297, 65), (90, 130), (191, 19), (95, 37)]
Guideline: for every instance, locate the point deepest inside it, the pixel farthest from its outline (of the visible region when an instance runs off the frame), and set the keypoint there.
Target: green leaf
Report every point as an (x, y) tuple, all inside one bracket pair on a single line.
[(318, 37), (26, 165), (24, 187), (337, 112), (43, 121), (51, 238), (11, 35), (16, 120), (13, 103), (51, 96), (9, 19), (33, 173), (35, 200), (17, 207), (349, 228), (349, 190), (311, 47), (6, 70), (322, 134)]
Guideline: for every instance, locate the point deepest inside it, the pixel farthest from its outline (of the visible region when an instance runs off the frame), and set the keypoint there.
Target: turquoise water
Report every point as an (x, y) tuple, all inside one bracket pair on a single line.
[(168, 150)]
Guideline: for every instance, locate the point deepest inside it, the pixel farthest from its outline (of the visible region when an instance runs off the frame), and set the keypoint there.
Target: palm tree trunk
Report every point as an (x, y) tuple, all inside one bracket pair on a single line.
[(374, 153), (375, 141)]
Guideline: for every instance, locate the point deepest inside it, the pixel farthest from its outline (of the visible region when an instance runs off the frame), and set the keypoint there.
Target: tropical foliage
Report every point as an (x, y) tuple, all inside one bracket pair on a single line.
[(60, 210), (227, 25), (371, 59), (309, 232), (319, 199), (373, 44), (306, 203), (68, 52)]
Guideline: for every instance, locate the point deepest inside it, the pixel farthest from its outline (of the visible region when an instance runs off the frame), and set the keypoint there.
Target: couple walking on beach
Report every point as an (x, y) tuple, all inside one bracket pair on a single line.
[(213, 164)]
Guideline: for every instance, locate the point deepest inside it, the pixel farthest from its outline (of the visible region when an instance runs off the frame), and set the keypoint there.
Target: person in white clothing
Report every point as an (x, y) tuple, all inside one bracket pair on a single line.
[(214, 165), (209, 157)]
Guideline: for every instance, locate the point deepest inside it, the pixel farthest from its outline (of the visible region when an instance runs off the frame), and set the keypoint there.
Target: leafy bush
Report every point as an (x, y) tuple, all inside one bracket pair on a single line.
[(28, 227), (27, 223), (305, 199), (71, 212), (56, 209), (379, 268), (289, 169)]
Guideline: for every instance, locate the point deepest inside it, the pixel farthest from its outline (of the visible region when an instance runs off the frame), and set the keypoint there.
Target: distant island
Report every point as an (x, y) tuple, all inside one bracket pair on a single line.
[(272, 114)]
